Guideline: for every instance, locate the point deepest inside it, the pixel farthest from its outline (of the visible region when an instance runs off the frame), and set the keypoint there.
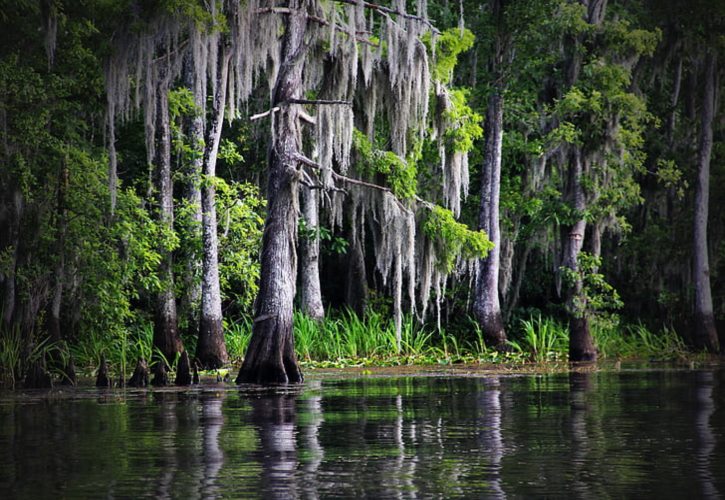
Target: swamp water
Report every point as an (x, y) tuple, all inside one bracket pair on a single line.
[(653, 434)]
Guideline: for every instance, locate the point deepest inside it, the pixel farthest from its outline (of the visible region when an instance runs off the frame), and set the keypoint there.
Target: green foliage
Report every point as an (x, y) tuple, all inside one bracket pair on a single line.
[(465, 124), (449, 44), (331, 243), (237, 336), (671, 177), (400, 174), (636, 341), (454, 239), (543, 339), (182, 106), (597, 295), (240, 224), (11, 346)]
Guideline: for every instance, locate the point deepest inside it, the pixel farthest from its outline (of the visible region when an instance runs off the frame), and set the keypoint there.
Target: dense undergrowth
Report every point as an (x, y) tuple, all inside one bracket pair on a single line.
[(346, 340)]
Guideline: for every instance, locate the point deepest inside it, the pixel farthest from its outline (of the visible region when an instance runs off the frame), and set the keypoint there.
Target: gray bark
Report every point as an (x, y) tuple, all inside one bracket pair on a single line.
[(54, 328), (356, 283), (271, 357), (15, 212), (166, 335), (705, 332), (310, 294), (211, 349), (191, 298), (486, 305), (581, 343)]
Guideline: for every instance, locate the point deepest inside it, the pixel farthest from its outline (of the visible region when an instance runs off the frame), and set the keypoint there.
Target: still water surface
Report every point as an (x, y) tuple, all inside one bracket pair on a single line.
[(644, 434)]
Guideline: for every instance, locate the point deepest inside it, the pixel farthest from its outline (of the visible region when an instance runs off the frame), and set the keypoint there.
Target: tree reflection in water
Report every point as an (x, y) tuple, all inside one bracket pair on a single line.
[(274, 416), (580, 384), (706, 440), (212, 422)]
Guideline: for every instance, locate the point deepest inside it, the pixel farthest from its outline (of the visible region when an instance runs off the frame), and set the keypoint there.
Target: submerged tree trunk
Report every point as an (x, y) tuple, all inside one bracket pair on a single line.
[(166, 335), (271, 357), (486, 306), (581, 343), (705, 332), (211, 350), (309, 293)]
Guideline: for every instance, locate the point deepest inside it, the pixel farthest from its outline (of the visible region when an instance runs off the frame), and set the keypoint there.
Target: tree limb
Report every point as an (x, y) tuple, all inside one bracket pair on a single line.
[(319, 20), (388, 10), (343, 178), (317, 102), (263, 114)]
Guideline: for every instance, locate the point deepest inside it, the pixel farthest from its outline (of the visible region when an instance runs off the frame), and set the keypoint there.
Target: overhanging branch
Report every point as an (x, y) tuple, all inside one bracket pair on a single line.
[(317, 102), (319, 20), (388, 10)]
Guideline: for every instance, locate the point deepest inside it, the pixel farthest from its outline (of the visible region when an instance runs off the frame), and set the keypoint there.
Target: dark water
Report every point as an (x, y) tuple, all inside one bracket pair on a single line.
[(639, 434)]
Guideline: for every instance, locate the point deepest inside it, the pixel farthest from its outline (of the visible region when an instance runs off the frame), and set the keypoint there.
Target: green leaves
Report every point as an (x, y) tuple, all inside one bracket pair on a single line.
[(465, 123), (400, 174), (597, 294), (454, 239), (448, 46)]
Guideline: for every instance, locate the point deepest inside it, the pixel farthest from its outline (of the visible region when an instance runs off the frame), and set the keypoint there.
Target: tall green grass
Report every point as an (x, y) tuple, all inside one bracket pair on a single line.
[(542, 339), (637, 341), (10, 356)]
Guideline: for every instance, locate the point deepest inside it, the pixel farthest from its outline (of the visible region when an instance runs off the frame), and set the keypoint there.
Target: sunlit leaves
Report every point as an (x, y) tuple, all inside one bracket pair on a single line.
[(453, 238)]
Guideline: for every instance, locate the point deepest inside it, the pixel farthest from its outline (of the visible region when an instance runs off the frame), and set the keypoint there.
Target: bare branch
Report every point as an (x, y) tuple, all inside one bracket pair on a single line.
[(343, 178), (275, 10), (317, 102), (306, 161), (319, 20), (262, 115), (388, 10), (307, 118)]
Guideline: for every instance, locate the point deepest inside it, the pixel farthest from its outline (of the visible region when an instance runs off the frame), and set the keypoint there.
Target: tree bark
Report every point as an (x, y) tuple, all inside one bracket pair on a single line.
[(191, 298), (166, 335), (356, 283), (581, 343), (705, 332), (9, 299), (310, 294), (271, 357), (53, 320), (486, 305), (211, 350)]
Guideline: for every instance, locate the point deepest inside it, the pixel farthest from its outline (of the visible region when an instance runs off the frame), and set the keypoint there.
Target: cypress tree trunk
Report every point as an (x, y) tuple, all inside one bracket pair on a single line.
[(166, 335), (211, 350), (705, 332), (581, 343), (15, 212), (486, 305), (310, 294), (356, 283), (53, 319), (271, 355), (191, 299)]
